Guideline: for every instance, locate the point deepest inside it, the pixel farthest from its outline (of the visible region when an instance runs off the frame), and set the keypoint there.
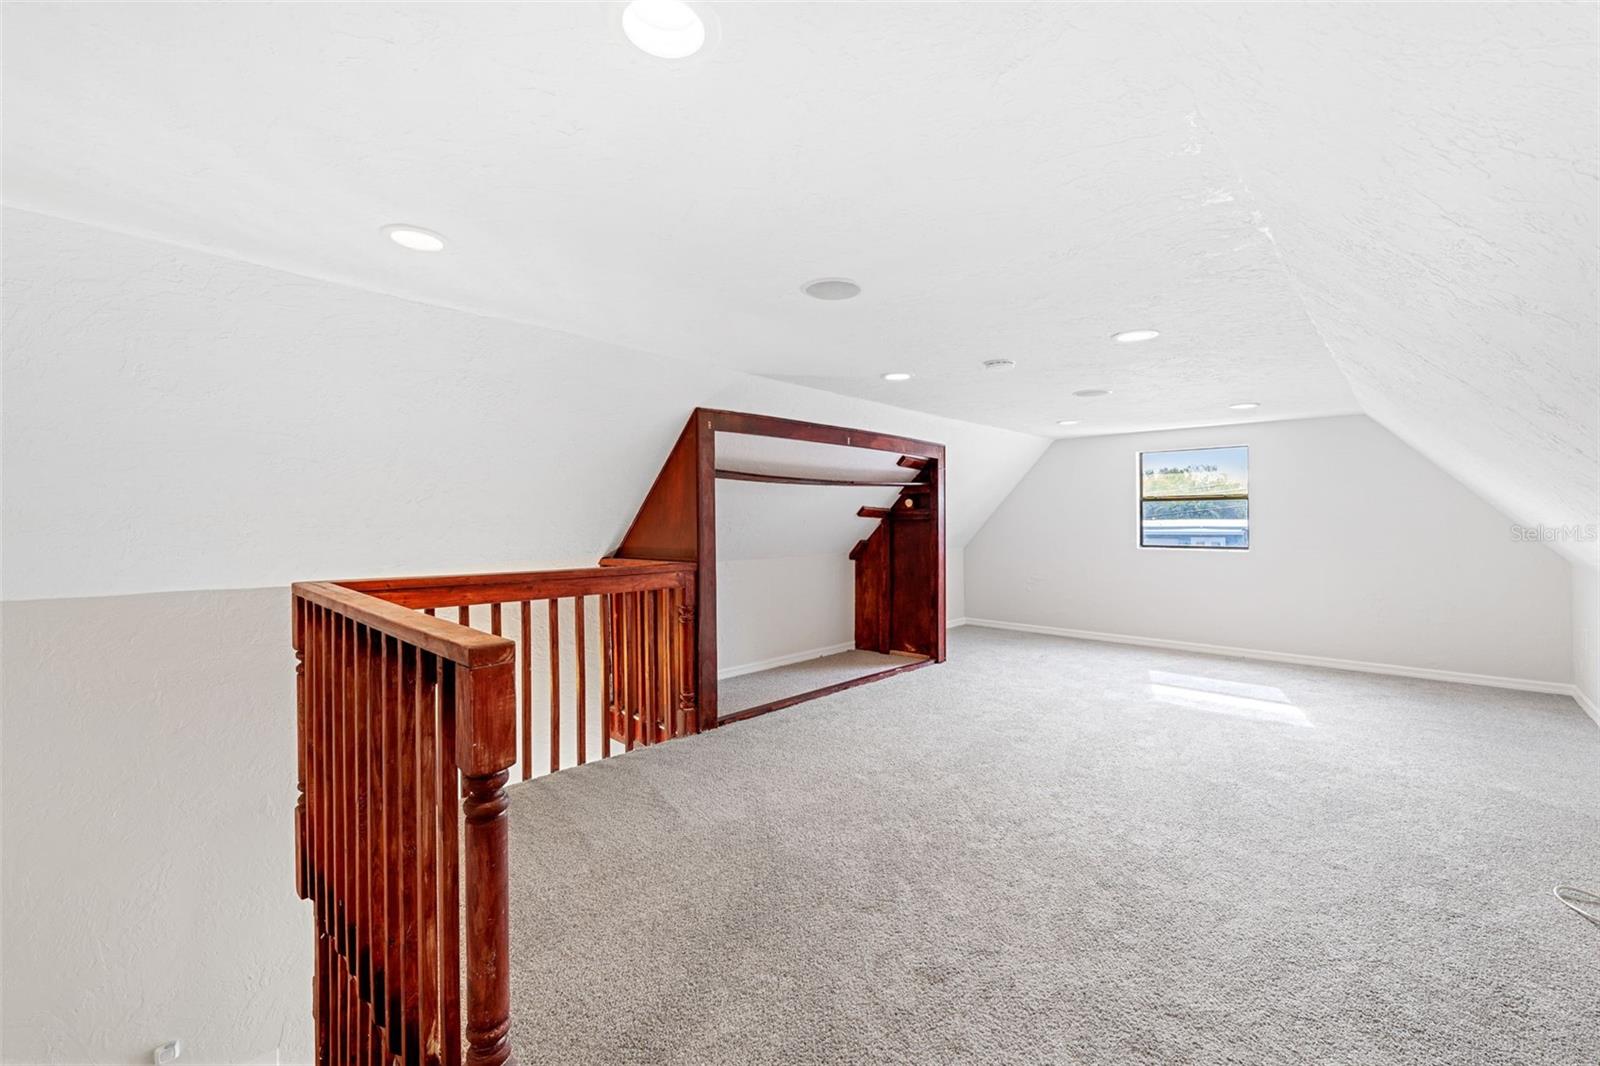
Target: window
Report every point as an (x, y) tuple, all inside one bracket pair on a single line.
[(1195, 498)]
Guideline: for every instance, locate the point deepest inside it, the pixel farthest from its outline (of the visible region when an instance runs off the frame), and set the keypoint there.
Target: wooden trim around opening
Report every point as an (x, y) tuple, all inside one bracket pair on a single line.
[(826, 690)]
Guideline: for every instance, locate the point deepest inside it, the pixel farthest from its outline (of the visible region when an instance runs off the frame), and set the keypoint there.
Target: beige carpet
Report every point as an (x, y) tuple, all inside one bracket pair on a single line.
[(752, 690), (1053, 851)]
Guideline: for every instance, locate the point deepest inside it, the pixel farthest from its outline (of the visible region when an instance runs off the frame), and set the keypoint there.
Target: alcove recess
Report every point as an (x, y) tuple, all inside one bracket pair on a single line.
[(880, 497)]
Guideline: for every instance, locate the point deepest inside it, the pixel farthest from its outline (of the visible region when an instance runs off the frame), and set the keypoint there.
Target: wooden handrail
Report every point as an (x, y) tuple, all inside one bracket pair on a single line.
[(460, 644), (458, 590)]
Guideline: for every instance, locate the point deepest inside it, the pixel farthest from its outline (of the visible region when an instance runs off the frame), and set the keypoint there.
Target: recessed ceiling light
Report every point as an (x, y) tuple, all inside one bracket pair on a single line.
[(831, 288), (1068, 422), (666, 29), (1092, 392), (999, 364), (898, 375), (1249, 405), (414, 238), (1134, 336)]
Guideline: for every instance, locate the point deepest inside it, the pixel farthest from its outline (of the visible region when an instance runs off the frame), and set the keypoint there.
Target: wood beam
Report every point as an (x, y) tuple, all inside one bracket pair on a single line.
[(794, 479)]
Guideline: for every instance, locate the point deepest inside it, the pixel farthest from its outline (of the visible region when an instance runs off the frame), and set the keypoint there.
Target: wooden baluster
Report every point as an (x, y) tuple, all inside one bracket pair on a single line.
[(625, 676), (341, 834), (308, 743), (314, 661), (647, 664), (647, 667), (394, 980), (448, 789), (428, 611), (366, 857), (319, 1001), (683, 658), (410, 696), (377, 841), (525, 651), (427, 845), (494, 619), (642, 671), (671, 614), (626, 673), (352, 847), (636, 670), (664, 693), (578, 627), (323, 743), (555, 684), (671, 651), (680, 630), (298, 642), (360, 958), (464, 614), (486, 748), (330, 869), (607, 711)]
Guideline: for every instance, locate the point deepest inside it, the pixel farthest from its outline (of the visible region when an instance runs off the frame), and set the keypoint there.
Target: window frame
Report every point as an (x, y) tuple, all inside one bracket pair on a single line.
[(1140, 499)]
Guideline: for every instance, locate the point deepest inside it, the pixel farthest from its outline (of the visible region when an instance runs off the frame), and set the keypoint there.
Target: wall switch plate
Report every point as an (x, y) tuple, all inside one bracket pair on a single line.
[(167, 1053)]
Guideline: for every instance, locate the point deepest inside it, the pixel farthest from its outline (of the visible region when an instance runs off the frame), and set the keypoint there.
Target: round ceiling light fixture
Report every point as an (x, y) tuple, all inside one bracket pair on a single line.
[(666, 29), (999, 364), (1248, 405), (1134, 336), (897, 375), (414, 238), (1086, 393), (831, 289), (1068, 422)]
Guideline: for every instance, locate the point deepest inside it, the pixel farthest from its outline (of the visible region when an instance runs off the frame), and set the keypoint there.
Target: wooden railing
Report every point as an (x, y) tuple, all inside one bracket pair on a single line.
[(408, 730)]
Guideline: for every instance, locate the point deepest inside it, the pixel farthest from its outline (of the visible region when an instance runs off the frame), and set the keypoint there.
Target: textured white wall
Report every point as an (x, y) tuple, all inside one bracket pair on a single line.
[(177, 421), (1360, 549), (146, 788), (770, 608), (174, 420)]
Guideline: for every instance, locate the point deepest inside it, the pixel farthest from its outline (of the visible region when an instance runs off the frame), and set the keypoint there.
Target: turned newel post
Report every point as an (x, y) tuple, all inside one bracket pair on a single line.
[(486, 747)]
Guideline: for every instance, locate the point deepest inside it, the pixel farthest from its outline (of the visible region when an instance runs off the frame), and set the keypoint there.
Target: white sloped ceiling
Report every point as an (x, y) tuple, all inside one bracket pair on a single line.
[(1431, 185), (1324, 208)]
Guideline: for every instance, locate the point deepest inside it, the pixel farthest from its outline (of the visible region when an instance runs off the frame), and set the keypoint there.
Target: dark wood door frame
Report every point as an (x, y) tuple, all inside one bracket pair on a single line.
[(678, 519)]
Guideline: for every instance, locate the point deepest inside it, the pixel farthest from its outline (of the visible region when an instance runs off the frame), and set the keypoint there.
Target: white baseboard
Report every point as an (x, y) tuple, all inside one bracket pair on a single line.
[(783, 660), (1586, 703), (802, 656), (1559, 688)]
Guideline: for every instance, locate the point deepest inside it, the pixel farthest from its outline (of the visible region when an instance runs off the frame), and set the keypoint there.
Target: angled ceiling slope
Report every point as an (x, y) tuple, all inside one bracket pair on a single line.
[(1435, 207), (1323, 208)]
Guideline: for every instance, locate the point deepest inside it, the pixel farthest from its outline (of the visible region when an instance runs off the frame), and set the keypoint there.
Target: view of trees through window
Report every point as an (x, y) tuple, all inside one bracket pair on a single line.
[(1195, 498)]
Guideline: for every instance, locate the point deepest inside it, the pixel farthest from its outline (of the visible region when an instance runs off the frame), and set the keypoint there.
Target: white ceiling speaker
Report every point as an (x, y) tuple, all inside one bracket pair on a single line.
[(666, 29), (414, 238), (1134, 336), (831, 289)]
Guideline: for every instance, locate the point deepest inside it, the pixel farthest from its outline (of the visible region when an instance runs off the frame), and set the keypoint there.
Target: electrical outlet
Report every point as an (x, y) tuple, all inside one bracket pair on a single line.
[(167, 1053)]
